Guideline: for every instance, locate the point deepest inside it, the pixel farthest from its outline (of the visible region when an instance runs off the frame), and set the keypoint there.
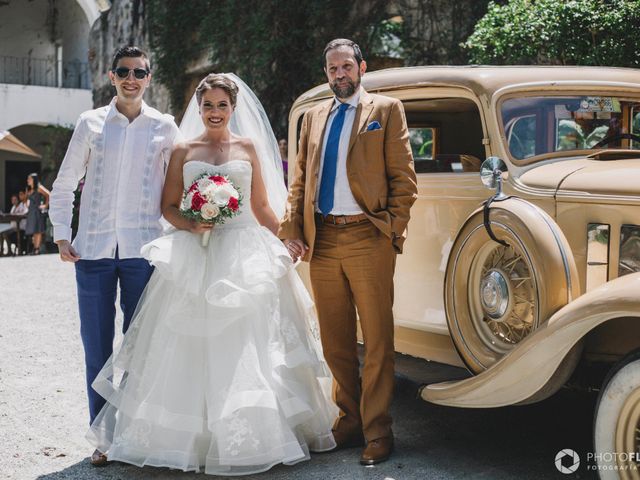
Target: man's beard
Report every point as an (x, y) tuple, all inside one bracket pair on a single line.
[(346, 91)]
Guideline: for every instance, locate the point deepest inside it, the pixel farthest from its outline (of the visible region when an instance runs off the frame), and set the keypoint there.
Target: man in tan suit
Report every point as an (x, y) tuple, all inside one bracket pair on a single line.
[(347, 214)]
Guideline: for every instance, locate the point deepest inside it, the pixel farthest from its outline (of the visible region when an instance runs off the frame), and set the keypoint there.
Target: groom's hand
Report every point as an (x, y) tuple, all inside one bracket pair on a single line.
[(67, 252), (296, 248)]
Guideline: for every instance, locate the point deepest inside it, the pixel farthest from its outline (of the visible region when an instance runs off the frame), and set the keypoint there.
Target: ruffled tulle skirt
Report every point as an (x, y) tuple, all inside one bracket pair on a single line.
[(221, 369)]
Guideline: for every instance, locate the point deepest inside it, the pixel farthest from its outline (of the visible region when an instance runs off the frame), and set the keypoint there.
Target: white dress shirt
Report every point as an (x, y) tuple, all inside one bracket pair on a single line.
[(124, 165), (343, 201), (19, 209)]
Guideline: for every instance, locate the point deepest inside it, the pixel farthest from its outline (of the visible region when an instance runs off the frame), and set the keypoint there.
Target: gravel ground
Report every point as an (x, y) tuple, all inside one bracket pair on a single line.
[(43, 412)]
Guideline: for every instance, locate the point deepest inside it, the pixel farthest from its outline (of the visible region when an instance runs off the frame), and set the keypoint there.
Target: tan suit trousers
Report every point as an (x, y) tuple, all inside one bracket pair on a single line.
[(352, 271)]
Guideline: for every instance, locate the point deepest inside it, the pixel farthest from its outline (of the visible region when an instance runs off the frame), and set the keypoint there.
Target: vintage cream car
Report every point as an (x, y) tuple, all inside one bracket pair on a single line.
[(543, 281)]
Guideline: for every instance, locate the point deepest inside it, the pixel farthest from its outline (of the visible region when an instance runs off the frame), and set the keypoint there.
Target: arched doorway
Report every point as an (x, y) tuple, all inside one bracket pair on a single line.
[(50, 141)]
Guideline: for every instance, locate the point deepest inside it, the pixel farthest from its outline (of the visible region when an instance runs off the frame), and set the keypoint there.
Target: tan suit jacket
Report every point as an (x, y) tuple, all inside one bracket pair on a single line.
[(379, 169)]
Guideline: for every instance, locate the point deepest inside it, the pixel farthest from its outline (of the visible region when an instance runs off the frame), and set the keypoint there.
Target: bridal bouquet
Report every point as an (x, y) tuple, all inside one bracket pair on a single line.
[(211, 199)]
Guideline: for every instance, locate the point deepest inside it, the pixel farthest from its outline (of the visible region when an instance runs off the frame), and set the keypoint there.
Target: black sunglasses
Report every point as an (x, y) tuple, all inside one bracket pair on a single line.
[(123, 72)]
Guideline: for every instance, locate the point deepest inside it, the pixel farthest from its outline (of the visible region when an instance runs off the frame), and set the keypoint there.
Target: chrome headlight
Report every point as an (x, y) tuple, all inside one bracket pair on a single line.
[(629, 250)]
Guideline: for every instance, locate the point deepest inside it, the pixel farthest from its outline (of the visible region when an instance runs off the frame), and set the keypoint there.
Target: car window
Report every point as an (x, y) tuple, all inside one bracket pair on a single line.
[(422, 143), (522, 136), (538, 125), (445, 135), (635, 125)]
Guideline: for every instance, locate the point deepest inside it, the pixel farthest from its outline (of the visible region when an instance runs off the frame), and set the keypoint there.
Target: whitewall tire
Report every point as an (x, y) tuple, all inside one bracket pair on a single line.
[(617, 422)]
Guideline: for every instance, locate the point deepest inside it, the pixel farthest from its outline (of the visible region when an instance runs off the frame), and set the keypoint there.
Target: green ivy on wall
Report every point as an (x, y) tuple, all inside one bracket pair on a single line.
[(173, 27), (55, 140), (275, 46)]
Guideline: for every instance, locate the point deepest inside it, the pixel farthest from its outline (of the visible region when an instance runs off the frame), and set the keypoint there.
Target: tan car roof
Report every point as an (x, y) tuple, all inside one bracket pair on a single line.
[(481, 79)]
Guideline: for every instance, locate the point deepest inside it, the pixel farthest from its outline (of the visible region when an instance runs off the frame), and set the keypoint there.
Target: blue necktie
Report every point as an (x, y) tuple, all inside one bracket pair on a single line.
[(328, 180)]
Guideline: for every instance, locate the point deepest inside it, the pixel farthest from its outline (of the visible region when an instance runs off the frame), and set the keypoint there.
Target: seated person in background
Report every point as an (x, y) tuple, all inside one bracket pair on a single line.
[(4, 234), (19, 208), (8, 235)]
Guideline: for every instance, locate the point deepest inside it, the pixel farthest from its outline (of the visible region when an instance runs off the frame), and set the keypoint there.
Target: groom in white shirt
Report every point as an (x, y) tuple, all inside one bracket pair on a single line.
[(122, 151)]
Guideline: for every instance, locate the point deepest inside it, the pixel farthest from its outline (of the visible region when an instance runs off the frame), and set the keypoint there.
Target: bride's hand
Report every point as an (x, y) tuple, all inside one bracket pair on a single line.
[(197, 227), (296, 248)]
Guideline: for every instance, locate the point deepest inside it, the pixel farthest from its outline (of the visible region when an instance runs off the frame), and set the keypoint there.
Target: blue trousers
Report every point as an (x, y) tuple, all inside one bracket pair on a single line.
[(97, 281)]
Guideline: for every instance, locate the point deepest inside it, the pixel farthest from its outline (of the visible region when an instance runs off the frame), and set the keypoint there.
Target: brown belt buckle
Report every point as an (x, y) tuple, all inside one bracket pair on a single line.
[(325, 218), (339, 220)]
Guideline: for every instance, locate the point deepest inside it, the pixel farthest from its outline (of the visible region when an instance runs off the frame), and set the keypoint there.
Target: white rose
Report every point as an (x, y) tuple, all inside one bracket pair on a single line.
[(209, 211), (210, 191), (186, 203), (203, 183), (229, 188), (222, 196), (224, 193)]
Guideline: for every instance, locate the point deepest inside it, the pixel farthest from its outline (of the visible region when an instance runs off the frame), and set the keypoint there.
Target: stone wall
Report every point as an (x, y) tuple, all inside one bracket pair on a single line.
[(435, 29), (122, 24)]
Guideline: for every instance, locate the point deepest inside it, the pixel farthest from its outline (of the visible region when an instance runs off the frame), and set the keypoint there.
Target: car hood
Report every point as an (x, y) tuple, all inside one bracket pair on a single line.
[(595, 177)]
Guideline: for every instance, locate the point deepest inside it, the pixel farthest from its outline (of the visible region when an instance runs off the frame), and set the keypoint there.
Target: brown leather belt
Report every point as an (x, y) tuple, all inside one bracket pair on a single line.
[(341, 219)]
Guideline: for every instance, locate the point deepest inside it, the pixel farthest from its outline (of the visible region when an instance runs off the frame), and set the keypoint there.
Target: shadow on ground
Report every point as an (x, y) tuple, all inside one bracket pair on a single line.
[(434, 442)]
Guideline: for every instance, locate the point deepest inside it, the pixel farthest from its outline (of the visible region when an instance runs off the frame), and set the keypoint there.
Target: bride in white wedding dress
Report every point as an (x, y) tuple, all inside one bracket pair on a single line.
[(221, 369)]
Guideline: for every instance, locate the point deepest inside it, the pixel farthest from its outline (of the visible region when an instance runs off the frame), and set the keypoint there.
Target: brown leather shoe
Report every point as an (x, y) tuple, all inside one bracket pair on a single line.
[(377, 451), (98, 459), (348, 440)]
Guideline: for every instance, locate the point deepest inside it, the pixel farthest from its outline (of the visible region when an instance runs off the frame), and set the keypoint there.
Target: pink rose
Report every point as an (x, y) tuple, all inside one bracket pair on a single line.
[(217, 179), (193, 187), (233, 204), (197, 202)]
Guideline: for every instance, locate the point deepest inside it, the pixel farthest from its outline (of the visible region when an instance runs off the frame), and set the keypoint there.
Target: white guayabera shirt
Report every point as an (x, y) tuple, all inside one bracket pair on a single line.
[(124, 165)]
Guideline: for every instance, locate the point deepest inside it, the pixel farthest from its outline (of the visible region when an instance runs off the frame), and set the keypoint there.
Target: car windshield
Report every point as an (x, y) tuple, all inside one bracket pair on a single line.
[(545, 124)]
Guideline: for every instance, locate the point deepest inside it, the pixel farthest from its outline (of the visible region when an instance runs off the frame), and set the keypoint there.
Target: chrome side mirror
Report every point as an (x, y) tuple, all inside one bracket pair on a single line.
[(492, 174)]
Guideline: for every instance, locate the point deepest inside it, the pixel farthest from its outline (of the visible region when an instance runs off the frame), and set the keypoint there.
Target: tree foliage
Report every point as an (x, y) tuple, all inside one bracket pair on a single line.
[(558, 32), (434, 30), (274, 46), (55, 140)]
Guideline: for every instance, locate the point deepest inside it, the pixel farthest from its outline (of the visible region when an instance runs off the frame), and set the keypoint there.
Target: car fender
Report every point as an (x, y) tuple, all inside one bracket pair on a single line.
[(528, 368)]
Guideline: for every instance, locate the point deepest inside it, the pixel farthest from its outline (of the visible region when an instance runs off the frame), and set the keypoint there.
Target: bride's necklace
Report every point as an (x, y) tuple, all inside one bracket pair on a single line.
[(219, 146)]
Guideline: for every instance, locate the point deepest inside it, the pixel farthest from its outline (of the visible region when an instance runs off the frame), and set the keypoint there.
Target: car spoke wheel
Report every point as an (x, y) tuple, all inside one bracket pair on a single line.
[(497, 295), (504, 307)]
